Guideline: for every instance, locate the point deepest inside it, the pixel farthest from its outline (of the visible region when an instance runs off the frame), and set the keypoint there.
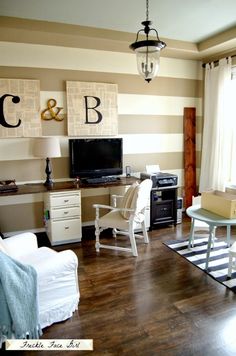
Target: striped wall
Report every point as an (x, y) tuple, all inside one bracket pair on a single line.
[(150, 116)]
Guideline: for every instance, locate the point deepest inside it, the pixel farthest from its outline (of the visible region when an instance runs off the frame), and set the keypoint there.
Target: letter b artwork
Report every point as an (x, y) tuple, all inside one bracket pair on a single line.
[(91, 109)]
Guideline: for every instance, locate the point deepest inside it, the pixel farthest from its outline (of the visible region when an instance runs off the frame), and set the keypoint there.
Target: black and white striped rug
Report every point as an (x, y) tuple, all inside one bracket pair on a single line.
[(218, 262)]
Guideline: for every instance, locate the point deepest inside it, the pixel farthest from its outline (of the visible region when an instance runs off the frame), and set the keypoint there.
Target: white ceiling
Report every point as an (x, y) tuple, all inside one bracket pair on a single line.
[(186, 20)]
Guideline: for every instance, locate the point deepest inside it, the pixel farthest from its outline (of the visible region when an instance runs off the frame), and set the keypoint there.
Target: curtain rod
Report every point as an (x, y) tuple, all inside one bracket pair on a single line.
[(217, 61)]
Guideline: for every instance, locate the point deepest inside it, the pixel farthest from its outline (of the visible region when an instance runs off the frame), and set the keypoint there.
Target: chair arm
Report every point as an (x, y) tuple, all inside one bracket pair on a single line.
[(60, 263), (21, 244), (98, 206), (101, 206)]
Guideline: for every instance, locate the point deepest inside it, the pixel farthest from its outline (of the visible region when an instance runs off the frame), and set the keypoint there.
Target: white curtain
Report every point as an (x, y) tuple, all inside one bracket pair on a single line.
[(217, 132)]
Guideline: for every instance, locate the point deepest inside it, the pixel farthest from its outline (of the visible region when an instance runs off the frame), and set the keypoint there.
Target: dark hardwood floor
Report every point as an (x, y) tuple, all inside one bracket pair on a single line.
[(155, 304)]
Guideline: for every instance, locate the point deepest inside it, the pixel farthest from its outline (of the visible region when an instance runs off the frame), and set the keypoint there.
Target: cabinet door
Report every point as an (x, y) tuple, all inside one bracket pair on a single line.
[(65, 213), (162, 211), (66, 230), (64, 200)]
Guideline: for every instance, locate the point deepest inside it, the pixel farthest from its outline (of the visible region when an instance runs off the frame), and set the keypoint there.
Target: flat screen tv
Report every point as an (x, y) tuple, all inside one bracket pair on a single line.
[(92, 158)]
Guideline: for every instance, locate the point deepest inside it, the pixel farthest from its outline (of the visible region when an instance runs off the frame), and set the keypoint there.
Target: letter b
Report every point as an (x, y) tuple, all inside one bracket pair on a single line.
[(87, 108)]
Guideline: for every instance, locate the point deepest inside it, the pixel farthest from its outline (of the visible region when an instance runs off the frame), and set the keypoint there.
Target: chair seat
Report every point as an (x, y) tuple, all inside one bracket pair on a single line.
[(114, 220)]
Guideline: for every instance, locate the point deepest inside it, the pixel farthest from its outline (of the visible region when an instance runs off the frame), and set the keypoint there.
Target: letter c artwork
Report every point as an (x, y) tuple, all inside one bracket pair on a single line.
[(15, 99)]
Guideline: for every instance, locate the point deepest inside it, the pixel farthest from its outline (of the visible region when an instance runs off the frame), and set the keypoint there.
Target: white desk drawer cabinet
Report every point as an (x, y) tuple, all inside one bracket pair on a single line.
[(62, 215)]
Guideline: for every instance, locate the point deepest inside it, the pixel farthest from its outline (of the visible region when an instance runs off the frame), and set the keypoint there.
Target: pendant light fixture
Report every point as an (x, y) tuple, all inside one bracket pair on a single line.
[(148, 51)]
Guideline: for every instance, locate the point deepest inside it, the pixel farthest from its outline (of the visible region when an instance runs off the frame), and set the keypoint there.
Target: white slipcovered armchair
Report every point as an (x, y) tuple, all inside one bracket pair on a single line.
[(58, 289)]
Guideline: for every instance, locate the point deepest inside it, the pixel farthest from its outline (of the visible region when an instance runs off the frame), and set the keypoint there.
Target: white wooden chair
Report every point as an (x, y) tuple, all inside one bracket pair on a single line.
[(125, 218)]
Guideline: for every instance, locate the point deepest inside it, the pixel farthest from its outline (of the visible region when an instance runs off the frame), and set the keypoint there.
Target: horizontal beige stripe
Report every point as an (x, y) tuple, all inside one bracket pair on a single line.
[(55, 80), (165, 160), (21, 217), (88, 212), (131, 124), (33, 169), (51, 33), (146, 124)]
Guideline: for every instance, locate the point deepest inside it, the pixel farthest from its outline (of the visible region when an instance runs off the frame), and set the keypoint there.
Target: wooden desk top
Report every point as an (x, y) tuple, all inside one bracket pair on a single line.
[(68, 185)]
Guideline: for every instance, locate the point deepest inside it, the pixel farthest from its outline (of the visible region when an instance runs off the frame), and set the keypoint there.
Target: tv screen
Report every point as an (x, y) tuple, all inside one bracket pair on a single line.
[(91, 158)]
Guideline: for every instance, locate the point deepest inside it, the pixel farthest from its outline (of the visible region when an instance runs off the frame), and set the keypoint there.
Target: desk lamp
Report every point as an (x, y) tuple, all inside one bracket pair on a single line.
[(48, 147)]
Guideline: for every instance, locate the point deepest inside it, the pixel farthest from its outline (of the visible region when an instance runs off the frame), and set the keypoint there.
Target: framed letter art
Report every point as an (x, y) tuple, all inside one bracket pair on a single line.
[(91, 109), (19, 108)]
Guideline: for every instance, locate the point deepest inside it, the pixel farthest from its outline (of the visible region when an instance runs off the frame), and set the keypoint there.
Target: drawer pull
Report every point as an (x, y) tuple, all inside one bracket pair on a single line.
[(66, 227), (66, 200), (66, 212)]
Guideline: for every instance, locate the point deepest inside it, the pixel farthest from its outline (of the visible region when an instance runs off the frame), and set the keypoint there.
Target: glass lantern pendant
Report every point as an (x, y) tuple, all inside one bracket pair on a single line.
[(148, 51)]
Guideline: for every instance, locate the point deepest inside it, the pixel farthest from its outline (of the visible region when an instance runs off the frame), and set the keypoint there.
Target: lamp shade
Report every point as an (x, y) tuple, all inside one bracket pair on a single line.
[(47, 147)]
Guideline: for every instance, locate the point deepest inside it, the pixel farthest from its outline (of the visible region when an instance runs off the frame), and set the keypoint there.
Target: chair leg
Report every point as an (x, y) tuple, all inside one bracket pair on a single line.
[(145, 234), (132, 241), (97, 234)]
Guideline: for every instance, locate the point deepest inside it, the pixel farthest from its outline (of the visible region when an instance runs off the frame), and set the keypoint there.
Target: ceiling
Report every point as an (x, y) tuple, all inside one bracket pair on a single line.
[(194, 21)]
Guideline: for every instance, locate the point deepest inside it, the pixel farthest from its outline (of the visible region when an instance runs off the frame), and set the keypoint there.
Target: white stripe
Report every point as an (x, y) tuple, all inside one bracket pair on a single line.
[(185, 243), (135, 104), (219, 273), (200, 256), (152, 143), (58, 57), (230, 283), (131, 104), (215, 263)]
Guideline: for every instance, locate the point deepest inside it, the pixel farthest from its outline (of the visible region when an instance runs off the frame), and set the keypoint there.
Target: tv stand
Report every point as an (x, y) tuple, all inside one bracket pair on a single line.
[(100, 180)]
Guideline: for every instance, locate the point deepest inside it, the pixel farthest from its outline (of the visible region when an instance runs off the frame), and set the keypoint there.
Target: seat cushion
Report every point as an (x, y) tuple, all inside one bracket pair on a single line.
[(114, 219), (2, 246), (129, 199)]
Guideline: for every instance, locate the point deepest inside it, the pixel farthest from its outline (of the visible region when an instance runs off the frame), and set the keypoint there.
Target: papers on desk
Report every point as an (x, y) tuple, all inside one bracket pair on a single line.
[(154, 168)]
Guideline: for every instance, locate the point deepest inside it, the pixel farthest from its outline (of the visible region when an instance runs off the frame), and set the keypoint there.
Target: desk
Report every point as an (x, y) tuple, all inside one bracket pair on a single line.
[(33, 188), (23, 210), (196, 212)]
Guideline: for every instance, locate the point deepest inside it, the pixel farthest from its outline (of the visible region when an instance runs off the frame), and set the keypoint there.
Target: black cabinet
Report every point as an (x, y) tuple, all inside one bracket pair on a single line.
[(163, 206)]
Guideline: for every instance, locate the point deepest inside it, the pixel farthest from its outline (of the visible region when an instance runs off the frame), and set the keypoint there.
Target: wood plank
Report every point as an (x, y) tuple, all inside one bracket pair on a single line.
[(189, 155)]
